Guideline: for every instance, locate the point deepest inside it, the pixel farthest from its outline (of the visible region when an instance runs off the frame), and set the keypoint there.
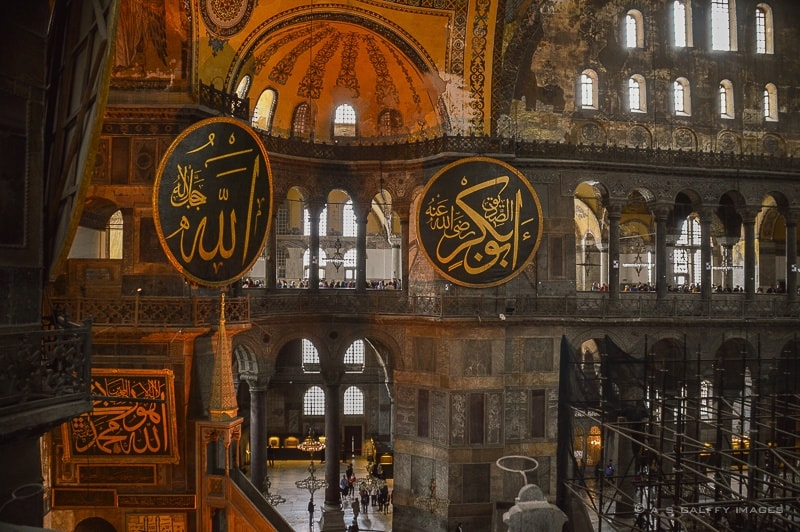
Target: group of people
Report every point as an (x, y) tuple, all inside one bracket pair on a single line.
[(368, 495)]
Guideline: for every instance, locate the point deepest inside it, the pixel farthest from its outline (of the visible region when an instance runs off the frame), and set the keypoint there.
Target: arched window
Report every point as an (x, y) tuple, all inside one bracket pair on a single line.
[(706, 403), (770, 103), (349, 227), (723, 25), (634, 29), (682, 23), (344, 122), (310, 357), (764, 43), (681, 97), (112, 248), (726, 99), (588, 89), (390, 123), (264, 110), (637, 99), (687, 255), (353, 401), (302, 121), (314, 402), (354, 357), (244, 86)]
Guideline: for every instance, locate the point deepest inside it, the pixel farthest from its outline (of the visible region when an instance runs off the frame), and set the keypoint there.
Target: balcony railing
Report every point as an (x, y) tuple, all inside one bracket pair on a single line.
[(44, 378), (377, 148), (143, 311), (259, 303)]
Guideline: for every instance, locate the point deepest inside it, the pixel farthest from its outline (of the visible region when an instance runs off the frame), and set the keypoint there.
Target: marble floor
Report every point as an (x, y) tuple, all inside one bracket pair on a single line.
[(283, 475)]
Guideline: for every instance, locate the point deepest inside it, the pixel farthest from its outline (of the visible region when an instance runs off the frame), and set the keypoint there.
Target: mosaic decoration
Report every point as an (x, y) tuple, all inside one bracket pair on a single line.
[(727, 142), (133, 418), (684, 139), (212, 201), (224, 18), (477, 75), (479, 222)]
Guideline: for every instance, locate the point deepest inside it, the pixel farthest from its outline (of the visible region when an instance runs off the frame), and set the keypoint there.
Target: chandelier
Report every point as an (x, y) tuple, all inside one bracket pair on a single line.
[(311, 483), (338, 259)]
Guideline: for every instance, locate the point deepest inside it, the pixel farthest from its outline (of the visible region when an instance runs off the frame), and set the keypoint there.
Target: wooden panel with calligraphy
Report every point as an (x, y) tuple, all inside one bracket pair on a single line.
[(133, 419), (479, 222), (212, 201)]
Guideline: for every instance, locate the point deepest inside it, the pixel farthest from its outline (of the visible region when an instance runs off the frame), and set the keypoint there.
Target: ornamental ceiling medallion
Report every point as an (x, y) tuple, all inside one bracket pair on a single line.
[(225, 18), (479, 222), (212, 201)]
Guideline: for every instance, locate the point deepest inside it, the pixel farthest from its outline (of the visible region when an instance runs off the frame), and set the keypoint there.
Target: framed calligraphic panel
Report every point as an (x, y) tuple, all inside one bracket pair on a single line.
[(132, 419), (479, 222), (212, 201)]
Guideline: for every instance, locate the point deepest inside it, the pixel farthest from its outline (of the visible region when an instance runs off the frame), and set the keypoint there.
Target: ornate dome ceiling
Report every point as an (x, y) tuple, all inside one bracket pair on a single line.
[(329, 60)]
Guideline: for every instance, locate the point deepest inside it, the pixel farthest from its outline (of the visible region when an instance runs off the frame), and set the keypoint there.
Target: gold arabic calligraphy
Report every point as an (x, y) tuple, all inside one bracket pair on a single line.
[(479, 238), (188, 192), (130, 419)]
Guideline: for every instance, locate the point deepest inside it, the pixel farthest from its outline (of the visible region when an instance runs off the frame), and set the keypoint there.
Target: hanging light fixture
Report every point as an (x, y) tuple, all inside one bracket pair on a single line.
[(338, 259)]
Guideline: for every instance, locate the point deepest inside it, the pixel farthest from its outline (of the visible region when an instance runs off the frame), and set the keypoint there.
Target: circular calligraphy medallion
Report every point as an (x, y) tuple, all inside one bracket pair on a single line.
[(479, 222), (212, 201)]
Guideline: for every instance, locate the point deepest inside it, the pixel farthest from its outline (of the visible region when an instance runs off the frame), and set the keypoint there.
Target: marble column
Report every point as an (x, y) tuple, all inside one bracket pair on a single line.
[(614, 215), (258, 431), (361, 252), (791, 255), (332, 514), (404, 240), (749, 223), (314, 210), (705, 254), (661, 216)]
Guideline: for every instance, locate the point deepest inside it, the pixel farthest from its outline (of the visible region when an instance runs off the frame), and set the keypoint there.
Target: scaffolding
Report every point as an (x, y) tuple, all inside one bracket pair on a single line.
[(726, 460)]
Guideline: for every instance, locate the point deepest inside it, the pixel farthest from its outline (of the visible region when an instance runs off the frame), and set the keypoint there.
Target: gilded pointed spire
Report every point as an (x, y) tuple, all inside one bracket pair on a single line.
[(223, 394)]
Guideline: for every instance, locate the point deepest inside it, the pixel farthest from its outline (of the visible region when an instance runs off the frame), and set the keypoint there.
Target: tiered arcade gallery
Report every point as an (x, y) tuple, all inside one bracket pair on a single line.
[(483, 245)]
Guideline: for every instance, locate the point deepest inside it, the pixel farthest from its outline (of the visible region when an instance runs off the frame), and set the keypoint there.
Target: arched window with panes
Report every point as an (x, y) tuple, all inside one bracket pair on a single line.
[(302, 121), (637, 100), (314, 402), (686, 257), (770, 102), (723, 25), (349, 225), (354, 357), (353, 401), (764, 30), (726, 109), (264, 110), (344, 121), (309, 357), (588, 89), (681, 97), (634, 29), (682, 23)]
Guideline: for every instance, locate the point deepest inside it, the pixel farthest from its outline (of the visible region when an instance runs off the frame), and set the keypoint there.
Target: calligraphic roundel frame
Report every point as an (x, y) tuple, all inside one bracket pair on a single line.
[(512, 239), (198, 146)]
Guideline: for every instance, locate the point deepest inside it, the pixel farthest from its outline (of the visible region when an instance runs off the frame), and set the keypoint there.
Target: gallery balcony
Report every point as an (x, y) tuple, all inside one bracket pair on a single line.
[(44, 379), (255, 303)]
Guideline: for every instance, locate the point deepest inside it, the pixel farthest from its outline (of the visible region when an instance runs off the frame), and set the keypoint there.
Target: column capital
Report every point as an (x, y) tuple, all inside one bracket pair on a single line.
[(661, 211)]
